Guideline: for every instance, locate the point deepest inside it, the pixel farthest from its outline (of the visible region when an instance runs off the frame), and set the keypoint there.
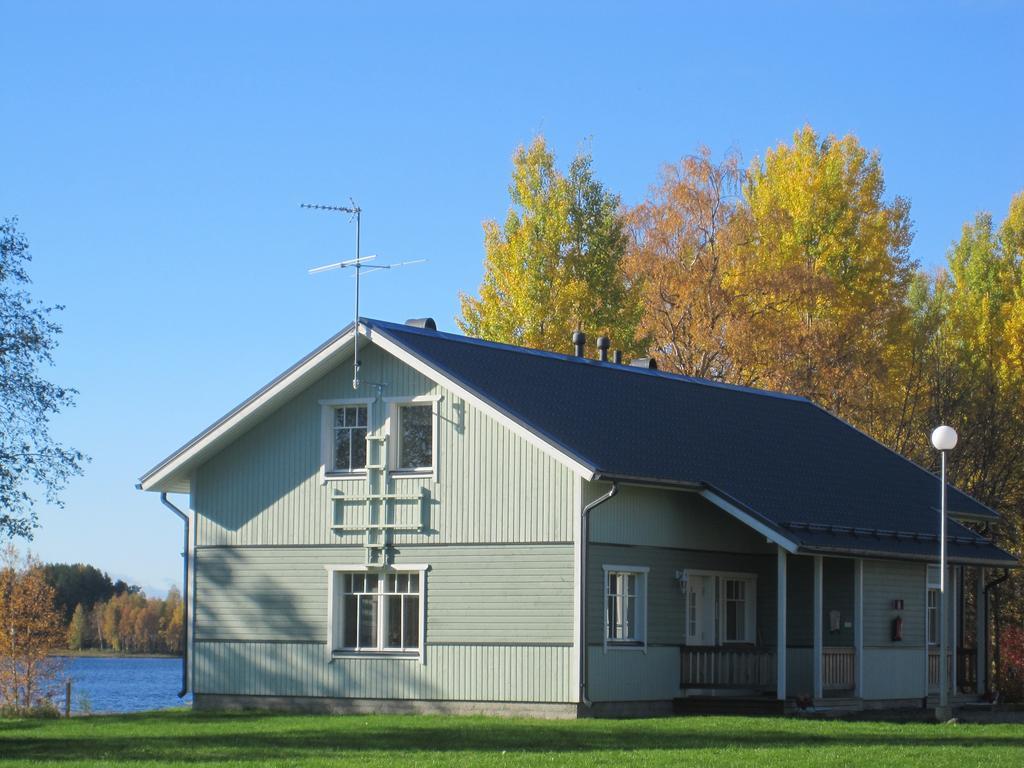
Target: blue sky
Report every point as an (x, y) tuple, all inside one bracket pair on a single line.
[(156, 155)]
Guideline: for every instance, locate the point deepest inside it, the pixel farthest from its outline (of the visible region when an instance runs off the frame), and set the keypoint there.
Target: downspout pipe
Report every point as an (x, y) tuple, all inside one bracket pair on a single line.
[(982, 643), (584, 540), (184, 591)]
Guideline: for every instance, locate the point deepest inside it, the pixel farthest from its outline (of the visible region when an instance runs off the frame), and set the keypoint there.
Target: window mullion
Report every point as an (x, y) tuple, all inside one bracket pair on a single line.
[(382, 619), (359, 620)]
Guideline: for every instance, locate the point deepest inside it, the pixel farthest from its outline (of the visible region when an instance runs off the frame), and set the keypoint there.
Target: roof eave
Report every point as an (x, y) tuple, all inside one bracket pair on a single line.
[(877, 555), (749, 517), (173, 474)]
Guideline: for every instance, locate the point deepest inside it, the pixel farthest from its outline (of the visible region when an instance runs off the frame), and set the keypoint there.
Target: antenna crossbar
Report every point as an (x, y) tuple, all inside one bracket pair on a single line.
[(357, 263), (337, 208)]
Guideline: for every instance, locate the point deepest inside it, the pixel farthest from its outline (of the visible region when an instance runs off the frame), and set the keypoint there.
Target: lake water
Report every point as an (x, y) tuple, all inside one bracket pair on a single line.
[(122, 685)]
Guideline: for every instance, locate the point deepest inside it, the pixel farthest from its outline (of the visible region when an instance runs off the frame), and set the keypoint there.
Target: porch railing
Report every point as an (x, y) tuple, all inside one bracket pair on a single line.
[(725, 667), (933, 667), (966, 668), (838, 666)]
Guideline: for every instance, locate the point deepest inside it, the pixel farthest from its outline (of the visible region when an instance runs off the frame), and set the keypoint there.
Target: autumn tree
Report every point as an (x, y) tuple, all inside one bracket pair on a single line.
[(30, 629), (684, 248), (974, 363), (29, 457), (825, 278), (78, 629), (556, 264), (172, 622)]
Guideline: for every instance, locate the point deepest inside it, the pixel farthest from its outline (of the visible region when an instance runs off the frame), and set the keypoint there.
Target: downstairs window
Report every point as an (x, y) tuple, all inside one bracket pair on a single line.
[(625, 599), (377, 611)]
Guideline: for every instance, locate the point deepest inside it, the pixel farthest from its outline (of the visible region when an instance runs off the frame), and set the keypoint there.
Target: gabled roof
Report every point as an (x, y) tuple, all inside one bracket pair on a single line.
[(786, 466), (783, 460)]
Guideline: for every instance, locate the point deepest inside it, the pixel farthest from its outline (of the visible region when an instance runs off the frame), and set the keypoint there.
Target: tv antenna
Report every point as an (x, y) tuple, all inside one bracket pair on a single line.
[(357, 263)]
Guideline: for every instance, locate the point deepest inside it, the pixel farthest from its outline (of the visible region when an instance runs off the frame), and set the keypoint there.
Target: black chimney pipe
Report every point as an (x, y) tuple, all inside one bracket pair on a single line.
[(645, 362), (603, 342), (579, 339), (617, 357)]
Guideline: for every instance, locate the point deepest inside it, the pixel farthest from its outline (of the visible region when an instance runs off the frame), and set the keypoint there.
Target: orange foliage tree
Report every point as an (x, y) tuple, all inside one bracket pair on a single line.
[(30, 630)]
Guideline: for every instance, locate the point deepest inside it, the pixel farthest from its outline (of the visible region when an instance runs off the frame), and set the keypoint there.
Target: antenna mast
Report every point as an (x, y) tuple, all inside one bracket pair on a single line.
[(357, 212)]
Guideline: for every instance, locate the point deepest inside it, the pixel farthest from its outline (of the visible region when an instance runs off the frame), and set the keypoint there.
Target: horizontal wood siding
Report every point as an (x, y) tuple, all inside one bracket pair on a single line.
[(894, 673), (493, 486), (885, 581), (475, 594), (665, 605), (450, 672), (657, 516)]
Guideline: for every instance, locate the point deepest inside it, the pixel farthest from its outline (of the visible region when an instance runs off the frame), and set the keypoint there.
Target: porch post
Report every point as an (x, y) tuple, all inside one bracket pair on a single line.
[(858, 627), (981, 630), (780, 623), (818, 620), (953, 630)]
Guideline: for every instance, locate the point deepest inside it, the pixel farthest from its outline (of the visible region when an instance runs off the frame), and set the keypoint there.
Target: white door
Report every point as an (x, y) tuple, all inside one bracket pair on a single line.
[(700, 610)]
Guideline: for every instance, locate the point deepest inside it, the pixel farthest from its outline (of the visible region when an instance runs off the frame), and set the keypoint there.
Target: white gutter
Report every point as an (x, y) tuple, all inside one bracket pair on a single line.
[(184, 592), (584, 539)]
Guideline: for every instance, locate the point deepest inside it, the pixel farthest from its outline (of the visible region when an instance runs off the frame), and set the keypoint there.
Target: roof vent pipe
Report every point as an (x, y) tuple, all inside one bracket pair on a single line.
[(427, 323), (617, 357), (603, 342), (579, 338), (645, 362)]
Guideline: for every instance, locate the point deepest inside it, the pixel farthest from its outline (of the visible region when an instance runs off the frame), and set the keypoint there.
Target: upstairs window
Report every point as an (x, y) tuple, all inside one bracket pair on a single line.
[(349, 445), (416, 437), (412, 434)]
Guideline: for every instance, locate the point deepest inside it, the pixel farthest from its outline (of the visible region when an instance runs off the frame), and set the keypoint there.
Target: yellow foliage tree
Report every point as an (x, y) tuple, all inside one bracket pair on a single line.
[(826, 273), (555, 266)]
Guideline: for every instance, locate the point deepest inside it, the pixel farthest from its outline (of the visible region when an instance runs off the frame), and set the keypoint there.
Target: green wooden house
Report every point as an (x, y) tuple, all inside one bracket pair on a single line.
[(476, 527)]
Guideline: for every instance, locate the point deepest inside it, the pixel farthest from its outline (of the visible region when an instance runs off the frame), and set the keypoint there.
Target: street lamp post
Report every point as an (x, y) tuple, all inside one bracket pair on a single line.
[(944, 440)]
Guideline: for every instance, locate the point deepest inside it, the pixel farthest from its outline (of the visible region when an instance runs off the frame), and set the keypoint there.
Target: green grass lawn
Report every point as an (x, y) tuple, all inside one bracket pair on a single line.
[(184, 738)]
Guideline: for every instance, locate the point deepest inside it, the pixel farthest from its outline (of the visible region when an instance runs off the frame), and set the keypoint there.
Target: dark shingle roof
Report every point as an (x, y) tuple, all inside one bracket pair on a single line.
[(822, 482)]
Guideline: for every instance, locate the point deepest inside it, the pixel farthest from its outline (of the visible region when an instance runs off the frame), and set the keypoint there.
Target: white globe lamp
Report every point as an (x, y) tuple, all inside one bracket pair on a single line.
[(944, 438)]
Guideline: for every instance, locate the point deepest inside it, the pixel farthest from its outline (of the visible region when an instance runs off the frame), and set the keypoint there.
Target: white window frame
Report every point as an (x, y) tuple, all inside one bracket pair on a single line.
[(327, 409), (336, 618), (393, 428), (640, 642), (932, 587), (750, 600)]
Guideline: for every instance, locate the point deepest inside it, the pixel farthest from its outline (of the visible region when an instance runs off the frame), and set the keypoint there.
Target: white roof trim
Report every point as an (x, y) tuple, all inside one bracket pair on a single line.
[(170, 474), (744, 517), (166, 476)]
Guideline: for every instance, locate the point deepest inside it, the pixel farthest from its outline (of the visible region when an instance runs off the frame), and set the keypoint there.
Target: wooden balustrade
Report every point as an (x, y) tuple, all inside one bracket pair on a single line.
[(838, 668), (727, 667), (933, 666), (967, 670)]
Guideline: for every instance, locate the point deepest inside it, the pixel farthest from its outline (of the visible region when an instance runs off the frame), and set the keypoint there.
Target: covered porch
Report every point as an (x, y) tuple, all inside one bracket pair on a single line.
[(854, 631)]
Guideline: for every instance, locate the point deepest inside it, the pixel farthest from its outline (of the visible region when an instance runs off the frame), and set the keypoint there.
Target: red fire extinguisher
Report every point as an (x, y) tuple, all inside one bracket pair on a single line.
[(897, 628)]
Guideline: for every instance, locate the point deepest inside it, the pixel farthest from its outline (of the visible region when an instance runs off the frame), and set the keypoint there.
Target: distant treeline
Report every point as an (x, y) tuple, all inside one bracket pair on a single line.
[(101, 613)]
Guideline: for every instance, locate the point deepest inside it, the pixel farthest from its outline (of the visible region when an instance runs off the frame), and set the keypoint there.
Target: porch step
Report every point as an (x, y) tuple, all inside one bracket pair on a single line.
[(835, 706), (727, 705)]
